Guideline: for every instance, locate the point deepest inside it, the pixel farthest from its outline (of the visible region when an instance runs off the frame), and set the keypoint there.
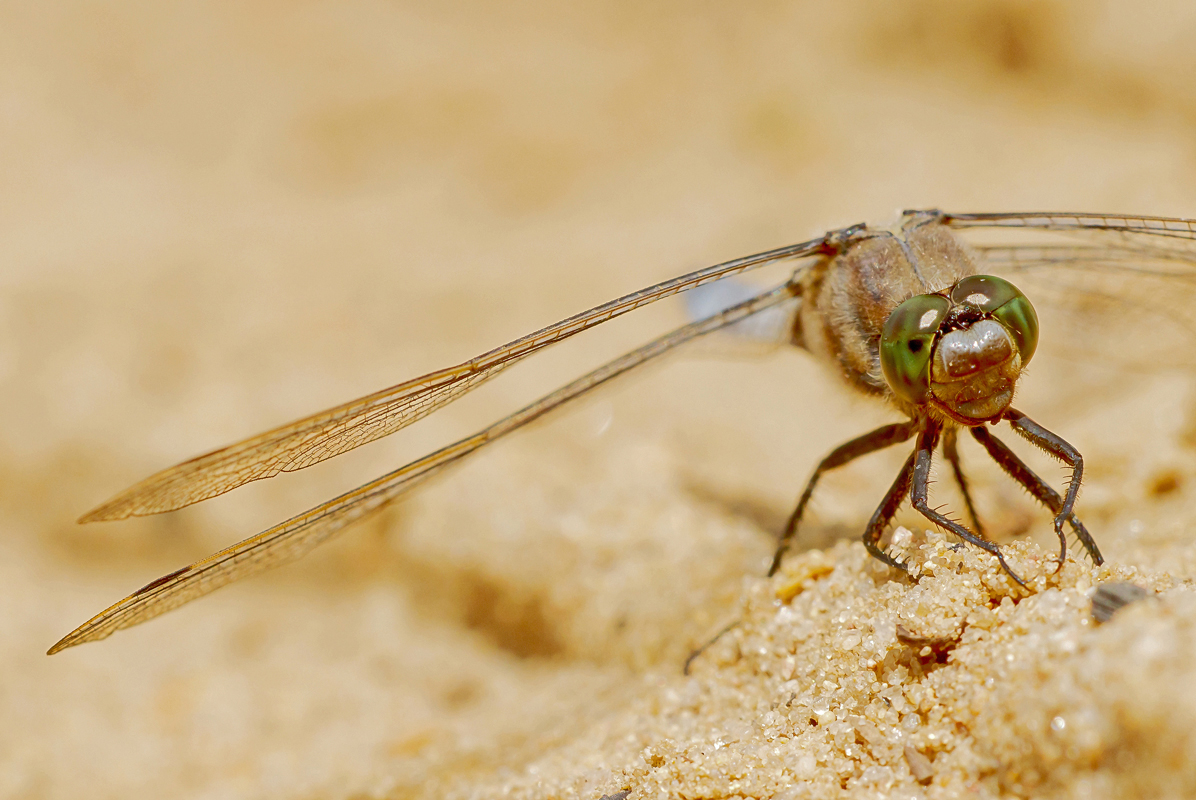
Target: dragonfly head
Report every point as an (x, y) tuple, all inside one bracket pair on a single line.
[(960, 350)]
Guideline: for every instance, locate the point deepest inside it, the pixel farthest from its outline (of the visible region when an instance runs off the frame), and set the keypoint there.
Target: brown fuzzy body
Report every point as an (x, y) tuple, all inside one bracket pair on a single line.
[(848, 297)]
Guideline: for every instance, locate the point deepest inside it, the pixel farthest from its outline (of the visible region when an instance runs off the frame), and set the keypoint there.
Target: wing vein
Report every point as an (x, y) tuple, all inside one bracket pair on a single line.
[(297, 536), (336, 430)]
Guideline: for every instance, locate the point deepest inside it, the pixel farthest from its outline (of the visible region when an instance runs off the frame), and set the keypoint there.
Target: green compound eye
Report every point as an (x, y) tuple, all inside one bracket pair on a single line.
[(906, 344), (1008, 306)]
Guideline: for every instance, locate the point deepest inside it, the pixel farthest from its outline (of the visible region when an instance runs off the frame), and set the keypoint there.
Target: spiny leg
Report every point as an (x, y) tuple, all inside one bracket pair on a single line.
[(1054, 445), (848, 451), (920, 496), (951, 451), (885, 512), (1007, 460)]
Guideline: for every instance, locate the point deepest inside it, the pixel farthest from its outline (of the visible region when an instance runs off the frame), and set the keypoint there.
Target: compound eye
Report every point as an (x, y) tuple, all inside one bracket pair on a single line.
[(1006, 303), (907, 343)]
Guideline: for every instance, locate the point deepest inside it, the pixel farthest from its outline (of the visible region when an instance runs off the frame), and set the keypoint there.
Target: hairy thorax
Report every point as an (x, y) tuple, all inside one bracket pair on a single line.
[(849, 296)]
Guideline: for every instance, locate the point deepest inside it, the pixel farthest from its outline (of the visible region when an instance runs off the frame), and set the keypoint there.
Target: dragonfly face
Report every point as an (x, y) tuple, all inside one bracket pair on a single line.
[(904, 315), (910, 314), (962, 350)]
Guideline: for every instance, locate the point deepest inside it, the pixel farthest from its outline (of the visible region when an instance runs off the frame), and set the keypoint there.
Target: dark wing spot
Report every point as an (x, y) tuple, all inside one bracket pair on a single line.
[(160, 581)]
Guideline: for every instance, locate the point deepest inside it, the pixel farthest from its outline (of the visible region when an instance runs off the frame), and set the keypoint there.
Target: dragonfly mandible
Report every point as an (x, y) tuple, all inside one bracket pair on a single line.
[(911, 313)]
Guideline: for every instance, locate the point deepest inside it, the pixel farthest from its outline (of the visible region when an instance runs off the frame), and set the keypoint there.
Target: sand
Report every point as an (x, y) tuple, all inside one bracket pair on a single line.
[(839, 681), (217, 218)]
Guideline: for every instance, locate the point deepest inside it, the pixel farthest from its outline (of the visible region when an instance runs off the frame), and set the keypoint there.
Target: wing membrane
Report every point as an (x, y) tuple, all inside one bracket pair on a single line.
[(761, 333), (1152, 233), (337, 430), (1174, 227), (297, 536)]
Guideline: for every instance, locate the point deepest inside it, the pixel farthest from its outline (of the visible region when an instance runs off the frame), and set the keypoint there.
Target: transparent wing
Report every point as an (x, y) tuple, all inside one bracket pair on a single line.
[(337, 430), (758, 335), (1170, 233), (1121, 286), (295, 537)]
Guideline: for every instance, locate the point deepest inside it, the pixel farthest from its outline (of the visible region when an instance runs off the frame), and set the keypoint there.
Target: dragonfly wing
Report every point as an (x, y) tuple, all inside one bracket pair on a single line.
[(1171, 233), (297, 536), (337, 430), (759, 334)]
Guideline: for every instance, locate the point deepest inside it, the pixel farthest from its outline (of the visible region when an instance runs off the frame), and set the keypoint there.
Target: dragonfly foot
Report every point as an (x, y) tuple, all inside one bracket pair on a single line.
[(1059, 520), (885, 558), (1001, 558)]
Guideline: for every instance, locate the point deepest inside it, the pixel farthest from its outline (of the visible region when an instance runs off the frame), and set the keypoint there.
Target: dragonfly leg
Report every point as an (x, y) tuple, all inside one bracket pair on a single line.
[(951, 451), (848, 451), (920, 496), (1054, 445), (693, 656), (1007, 460), (884, 515)]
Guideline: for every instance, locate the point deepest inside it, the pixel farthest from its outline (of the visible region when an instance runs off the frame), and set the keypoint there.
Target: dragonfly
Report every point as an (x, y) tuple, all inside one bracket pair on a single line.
[(912, 313)]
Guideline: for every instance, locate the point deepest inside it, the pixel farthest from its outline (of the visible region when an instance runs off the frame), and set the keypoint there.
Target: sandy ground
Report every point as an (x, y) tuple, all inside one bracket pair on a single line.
[(215, 218)]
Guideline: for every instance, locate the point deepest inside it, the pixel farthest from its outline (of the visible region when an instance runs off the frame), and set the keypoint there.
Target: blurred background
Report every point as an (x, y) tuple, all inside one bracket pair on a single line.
[(217, 217)]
